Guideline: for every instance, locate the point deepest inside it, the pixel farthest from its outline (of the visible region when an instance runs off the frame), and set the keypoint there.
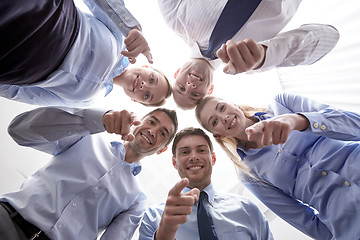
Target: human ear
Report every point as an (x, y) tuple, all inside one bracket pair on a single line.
[(213, 158), (211, 89), (176, 73), (161, 150), (174, 162)]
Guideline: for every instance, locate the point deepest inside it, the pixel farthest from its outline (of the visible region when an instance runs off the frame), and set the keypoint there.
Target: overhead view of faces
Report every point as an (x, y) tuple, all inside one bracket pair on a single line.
[(179, 119)]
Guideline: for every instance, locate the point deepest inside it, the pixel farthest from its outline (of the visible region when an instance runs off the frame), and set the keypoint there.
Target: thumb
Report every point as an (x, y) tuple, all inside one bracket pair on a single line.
[(148, 55), (229, 68)]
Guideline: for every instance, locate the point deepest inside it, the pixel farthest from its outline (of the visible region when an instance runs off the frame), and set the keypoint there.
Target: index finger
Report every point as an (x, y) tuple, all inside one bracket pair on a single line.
[(179, 186)]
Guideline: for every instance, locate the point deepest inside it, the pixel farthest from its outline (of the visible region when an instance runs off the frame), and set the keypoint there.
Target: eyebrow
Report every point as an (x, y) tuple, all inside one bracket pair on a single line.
[(158, 121), (216, 107)]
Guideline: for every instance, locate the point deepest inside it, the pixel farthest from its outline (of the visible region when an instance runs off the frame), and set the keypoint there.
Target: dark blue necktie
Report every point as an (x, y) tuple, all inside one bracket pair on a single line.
[(232, 18), (205, 222)]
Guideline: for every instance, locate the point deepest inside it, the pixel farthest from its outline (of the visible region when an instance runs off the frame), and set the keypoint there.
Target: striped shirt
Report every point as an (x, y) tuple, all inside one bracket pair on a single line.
[(194, 22)]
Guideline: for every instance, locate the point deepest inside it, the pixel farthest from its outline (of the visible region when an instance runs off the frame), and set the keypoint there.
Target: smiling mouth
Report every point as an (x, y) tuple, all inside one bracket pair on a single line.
[(146, 138), (192, 75), (195, 168), (233, 122), (135, 83)]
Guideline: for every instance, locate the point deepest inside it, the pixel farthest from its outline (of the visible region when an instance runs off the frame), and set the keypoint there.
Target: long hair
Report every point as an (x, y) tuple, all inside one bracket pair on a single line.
[(229, 144)]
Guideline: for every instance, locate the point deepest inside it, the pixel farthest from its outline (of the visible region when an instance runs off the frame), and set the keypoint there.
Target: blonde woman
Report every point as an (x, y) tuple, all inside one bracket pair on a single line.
[(302, 157)]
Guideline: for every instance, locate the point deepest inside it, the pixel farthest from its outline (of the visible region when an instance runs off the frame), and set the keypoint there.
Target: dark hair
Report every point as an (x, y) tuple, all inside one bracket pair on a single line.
[(189, 132), (172, 115), (168, 93)]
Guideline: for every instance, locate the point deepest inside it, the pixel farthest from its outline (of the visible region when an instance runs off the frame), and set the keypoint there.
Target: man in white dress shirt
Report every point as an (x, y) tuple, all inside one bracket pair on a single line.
[(256, 45)]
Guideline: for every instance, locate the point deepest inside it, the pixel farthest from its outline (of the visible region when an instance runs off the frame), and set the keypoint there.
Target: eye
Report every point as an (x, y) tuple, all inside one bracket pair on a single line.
[(152, 122), (163, 134), (183, 152), (181, 88), (214, 122), (222, 108), (146, 96), (195, 94), (151, 79)]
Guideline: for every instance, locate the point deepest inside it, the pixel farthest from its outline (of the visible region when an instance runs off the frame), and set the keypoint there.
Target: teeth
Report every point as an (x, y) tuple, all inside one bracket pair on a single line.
[(194, 168), (146, 138), (232, 123), (194, 76), (135, 83)]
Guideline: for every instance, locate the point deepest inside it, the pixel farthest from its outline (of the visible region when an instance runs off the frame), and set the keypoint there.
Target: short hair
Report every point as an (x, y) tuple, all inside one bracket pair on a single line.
[(172, 115), (168, 93), (190, 131)]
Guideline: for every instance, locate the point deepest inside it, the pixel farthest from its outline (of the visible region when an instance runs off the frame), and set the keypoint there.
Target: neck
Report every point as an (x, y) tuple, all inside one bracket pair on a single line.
[(131, 155), (118, 80)]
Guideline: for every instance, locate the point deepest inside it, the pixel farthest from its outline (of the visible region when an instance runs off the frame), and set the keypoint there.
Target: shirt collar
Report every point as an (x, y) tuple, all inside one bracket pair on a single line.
[(196, 53), (135, 167), (209, 189)]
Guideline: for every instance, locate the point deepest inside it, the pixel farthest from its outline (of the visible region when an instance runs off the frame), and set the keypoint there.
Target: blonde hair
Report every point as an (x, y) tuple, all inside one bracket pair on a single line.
[(229, 144)]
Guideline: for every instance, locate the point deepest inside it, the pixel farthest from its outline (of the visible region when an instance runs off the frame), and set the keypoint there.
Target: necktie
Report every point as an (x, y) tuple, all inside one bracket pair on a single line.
[(205, 222), (232, 18)]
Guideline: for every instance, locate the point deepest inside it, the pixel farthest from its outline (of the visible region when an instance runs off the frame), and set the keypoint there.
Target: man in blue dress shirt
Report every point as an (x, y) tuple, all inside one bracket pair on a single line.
[(57, 55), (90, 183), (233, 216)]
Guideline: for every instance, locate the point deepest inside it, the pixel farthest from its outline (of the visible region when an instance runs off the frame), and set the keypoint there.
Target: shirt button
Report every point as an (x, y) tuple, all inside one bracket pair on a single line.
[(308, 166), (316, 125), (96, 188), (111, 173), (347, 183), (74, 204), (69, 133), (323, 127), (121, 24), (127, 18), (59, 225), (275, 44), (279, 150), (324, 173), (298, 159)]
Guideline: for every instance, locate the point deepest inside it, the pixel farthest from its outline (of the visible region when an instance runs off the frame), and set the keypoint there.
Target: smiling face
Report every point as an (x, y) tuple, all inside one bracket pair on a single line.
[(194, 160), (193, 82), (143, 84), (153, 133), (223, 118)]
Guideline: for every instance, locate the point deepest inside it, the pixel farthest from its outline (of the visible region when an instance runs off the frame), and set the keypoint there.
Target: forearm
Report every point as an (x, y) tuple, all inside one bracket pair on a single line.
[(114, 13), (47, 128), (302, 46)]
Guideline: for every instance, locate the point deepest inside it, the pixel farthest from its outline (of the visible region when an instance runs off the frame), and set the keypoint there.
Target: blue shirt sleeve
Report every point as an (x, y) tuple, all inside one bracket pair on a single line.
[(150, 222), (324, 119), (53, 130)]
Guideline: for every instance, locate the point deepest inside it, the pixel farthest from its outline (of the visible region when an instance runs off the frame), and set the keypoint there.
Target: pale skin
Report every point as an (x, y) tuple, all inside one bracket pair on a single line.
[(149, 136), (193, 161), (135, 44), (241, 56), (219, 116), (178, 206)]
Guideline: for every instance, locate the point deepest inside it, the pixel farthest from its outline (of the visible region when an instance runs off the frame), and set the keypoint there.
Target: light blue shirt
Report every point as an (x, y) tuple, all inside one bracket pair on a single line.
[(93, 61), (234, 218), (86, 186), (315, 169)]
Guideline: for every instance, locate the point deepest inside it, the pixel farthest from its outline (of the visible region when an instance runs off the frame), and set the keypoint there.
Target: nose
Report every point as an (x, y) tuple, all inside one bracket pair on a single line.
[(189, 84), (142, 85), (193, 156), (226, 118)]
